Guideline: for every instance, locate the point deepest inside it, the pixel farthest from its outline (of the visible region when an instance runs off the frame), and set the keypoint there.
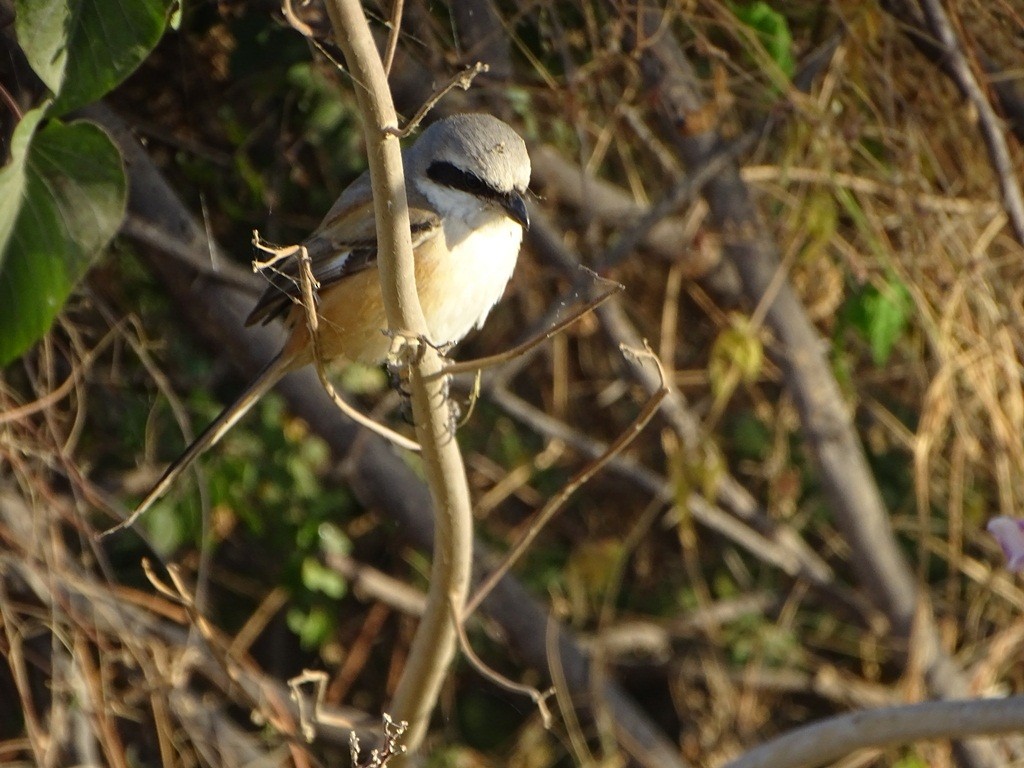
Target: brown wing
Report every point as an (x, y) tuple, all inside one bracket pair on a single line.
[(344, 244)]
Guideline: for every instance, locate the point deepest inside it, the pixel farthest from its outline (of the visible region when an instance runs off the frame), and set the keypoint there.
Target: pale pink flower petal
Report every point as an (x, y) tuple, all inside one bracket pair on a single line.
[(1009, 532)]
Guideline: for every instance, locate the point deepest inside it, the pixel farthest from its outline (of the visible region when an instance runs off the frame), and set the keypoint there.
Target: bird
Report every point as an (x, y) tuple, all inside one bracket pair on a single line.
[(466, 180)]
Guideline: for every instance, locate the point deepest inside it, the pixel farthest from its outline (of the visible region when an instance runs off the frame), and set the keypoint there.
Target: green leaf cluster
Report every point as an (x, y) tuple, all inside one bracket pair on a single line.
[(265, 485), (879, 313), (63, 192)]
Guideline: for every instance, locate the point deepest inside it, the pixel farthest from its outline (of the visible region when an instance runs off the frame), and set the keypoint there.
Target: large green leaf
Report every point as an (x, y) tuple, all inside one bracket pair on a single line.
[(81, 49), (72, 193), (12, 175)]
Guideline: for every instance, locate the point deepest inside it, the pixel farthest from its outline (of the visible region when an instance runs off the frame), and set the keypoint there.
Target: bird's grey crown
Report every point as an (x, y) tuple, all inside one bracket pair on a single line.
[(476, 145)]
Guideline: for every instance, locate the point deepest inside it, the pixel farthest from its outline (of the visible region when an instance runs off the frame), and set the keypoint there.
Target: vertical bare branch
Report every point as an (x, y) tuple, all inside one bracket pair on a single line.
[(435, 641)]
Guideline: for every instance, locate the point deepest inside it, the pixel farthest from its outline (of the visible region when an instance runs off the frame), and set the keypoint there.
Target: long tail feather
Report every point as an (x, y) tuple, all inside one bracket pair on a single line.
[(263, 382)]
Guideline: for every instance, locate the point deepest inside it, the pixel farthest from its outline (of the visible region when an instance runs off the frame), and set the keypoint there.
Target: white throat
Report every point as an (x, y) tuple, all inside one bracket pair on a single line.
[(482, 248)]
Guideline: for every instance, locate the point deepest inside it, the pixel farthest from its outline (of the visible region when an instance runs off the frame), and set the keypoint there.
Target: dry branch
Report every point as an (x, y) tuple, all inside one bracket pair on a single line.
[(828, 741), (436, 639)]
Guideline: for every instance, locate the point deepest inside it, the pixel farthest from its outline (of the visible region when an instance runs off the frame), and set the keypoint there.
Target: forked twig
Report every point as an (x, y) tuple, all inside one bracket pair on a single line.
[(537, 696), (277, 253), (179, 593), (307, 286), (552, 508), (307, 719), (393, 732)]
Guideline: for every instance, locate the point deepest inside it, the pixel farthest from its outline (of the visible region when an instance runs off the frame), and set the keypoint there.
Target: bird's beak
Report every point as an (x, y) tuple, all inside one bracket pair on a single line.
[(515, 207)]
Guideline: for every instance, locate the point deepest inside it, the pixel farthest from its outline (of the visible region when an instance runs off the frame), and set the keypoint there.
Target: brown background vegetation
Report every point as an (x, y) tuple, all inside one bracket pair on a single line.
[(732, 575)]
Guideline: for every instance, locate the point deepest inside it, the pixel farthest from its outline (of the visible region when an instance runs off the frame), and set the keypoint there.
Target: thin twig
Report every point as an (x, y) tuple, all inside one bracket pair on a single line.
[(608, 289), (367, 583), (564, 697), (542, 518), (991, 129), (8, 99), (296, 23), (779, 554), (151, 234), (686, 189), (536, 696), (396, 26), (461, 80)]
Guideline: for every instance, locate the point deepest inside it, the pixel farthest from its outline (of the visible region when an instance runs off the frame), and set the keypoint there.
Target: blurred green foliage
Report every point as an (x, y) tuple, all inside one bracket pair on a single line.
[(772, 31), (879, 314), (269, 480)]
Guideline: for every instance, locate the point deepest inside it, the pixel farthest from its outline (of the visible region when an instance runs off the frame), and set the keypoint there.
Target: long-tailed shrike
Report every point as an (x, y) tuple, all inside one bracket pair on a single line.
[(465, 180)]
